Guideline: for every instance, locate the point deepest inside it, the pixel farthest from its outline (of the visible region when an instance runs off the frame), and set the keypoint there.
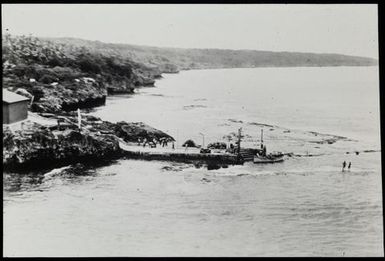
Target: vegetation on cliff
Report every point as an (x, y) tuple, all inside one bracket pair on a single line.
[(64, 77)]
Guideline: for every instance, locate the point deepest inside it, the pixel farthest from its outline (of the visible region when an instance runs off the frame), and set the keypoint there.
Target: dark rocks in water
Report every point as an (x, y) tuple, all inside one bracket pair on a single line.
[(327, 138), (261, 124), (205, 180), (314, 133), (330, 141), (306, 155), (324, 141), (189, 107), (366, 151), (167, 168), (235, 121), (286, 131)]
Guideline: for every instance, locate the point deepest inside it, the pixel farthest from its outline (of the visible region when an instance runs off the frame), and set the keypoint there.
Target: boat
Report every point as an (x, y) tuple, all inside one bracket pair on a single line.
[(262, 157), (269, 158)]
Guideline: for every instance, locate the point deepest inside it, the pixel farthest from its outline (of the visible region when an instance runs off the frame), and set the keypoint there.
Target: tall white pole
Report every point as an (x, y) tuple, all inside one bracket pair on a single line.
[(203, 139)]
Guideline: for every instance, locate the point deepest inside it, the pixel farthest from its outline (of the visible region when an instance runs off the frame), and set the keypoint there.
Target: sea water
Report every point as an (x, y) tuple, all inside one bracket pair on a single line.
[(305, 206)]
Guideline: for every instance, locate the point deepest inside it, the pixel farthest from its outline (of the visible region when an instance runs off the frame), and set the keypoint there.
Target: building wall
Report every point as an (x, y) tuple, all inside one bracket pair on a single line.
[(5, 113), (17, 111)]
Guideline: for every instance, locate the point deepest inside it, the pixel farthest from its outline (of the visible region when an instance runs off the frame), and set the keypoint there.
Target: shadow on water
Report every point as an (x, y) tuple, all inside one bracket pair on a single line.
[(178, 166), (21, 181)]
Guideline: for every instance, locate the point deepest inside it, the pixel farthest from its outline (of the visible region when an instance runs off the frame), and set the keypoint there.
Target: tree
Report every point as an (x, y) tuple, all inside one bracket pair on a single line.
[(189, 143)]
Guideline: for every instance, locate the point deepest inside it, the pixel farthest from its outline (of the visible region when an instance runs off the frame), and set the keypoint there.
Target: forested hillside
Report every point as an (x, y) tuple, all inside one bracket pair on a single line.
[(174, 59)]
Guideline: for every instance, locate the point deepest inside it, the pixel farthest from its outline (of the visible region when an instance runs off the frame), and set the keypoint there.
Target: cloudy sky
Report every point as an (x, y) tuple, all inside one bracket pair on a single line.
[(346, 29)]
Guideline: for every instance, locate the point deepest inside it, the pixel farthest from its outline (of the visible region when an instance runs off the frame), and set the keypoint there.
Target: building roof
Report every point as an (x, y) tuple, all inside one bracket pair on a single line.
[(11, 97)]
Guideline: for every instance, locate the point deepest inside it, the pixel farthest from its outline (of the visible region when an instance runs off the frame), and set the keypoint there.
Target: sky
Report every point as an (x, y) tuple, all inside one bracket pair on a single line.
[(320, 28)]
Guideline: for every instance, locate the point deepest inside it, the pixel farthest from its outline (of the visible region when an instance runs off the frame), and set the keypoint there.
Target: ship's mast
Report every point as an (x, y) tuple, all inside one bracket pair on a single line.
[(239, 139)]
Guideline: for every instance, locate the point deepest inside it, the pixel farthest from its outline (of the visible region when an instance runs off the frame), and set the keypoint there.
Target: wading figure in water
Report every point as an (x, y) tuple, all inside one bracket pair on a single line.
[(343, 165), (350, 164)]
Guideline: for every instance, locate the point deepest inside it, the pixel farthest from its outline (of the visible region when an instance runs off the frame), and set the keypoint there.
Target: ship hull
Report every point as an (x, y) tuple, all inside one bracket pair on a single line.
[(259, 160)]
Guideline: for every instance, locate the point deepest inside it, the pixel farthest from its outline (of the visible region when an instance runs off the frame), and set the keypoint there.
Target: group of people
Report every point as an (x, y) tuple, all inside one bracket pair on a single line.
[(344, 166), (152, 143)]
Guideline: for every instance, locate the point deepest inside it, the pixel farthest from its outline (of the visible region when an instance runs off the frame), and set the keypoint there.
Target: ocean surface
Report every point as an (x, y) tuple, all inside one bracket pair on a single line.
[(305, 206)]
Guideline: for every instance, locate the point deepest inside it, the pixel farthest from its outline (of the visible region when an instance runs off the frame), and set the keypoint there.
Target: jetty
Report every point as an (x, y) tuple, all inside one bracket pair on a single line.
[(53, 139), (188, 155)]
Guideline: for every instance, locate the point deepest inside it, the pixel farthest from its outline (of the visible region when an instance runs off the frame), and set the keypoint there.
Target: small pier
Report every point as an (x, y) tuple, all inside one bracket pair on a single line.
[(188, 155)]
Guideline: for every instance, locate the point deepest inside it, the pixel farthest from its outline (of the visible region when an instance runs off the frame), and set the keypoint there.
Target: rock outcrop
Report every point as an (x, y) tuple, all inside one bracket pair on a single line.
[(38, 146), (135, 132)]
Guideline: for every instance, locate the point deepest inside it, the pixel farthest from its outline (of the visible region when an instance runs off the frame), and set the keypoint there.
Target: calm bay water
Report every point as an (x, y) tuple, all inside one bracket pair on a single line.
[(304, 206)]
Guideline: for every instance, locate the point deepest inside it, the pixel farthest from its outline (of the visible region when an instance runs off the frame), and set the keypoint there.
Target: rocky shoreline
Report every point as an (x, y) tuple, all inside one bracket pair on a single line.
[(38, 146), (59, 79), (65, 77)]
